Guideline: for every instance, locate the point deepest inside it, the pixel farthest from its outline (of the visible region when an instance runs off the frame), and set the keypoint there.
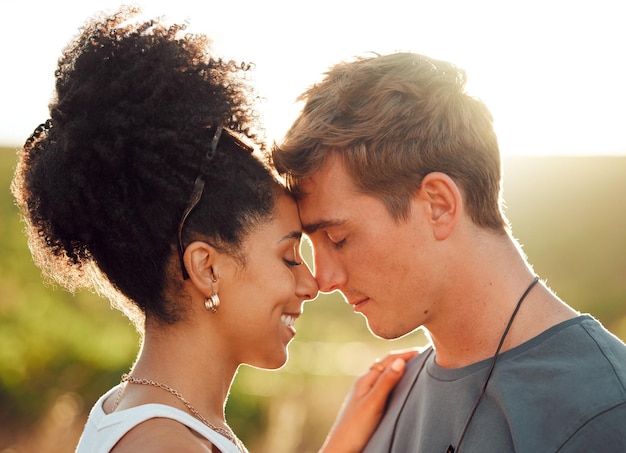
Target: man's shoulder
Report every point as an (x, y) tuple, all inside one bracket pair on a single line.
[(572, 379), (607, 342), (578, 352), (604, 432), (597, 351)]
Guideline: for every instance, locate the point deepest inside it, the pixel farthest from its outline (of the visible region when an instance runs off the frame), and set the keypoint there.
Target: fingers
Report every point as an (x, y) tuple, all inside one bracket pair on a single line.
[(391, 368), (389, 377), (405, 355), (397, 358), (378, 368), (365, 405)]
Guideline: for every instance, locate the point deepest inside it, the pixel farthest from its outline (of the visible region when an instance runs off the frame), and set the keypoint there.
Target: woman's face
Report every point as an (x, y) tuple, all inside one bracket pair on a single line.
[(261, 299)]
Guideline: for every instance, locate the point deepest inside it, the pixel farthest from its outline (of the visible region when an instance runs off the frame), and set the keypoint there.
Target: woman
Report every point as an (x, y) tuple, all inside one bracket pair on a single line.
[(139, 186)]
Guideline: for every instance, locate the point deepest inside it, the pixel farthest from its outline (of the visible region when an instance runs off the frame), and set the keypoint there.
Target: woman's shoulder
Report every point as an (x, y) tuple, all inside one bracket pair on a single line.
[(161, 435)]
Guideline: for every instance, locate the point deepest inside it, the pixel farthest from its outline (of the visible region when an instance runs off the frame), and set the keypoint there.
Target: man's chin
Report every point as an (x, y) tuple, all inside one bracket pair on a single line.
[(382, 331), (385, 332)]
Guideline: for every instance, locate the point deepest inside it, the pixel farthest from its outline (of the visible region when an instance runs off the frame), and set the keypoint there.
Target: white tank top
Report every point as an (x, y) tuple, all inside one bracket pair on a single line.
[(103, 431)]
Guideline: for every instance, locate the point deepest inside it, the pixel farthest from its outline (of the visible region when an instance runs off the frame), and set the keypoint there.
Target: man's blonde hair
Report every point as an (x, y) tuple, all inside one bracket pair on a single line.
[(393, 119)]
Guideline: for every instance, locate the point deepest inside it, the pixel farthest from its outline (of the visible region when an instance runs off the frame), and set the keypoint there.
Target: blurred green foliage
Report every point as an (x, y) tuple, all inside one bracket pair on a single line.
[(59, 352), (569, 214)]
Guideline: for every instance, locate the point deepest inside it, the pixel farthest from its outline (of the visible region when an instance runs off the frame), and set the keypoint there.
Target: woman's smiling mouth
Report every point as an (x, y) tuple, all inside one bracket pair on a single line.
[(289, 319)]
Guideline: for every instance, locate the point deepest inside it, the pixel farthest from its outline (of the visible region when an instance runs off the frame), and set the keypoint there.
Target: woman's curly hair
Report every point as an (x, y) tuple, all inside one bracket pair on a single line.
[(103, 183)]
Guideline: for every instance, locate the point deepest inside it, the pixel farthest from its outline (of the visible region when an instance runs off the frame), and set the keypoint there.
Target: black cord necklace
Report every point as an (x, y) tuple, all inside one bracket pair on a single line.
[(493, 364), (451, 448)]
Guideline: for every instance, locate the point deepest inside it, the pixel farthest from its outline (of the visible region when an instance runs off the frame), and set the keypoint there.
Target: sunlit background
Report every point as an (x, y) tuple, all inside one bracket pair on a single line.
[(551, 71), (552, 74)]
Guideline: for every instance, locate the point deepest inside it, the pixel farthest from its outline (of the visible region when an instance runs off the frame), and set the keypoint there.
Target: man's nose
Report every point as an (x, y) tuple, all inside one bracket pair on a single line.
[(329, 272)]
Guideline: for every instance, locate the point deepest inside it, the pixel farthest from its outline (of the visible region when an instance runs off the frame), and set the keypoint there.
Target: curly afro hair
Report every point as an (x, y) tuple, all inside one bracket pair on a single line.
[(103, 183)]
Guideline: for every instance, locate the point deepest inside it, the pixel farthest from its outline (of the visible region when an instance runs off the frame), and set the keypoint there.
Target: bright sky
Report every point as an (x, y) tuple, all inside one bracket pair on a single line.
[(551, 71)]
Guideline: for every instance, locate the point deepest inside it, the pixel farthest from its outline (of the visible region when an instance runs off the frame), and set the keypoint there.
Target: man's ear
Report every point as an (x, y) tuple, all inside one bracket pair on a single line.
[(444, 202), (200, 259)]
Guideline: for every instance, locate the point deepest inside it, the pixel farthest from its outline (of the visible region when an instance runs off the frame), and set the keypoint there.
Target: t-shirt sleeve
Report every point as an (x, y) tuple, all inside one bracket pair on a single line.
[(604, 432)]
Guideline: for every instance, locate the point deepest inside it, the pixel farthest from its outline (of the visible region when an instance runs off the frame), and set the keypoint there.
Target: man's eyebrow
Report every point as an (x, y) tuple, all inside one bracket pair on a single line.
[(313, 227)]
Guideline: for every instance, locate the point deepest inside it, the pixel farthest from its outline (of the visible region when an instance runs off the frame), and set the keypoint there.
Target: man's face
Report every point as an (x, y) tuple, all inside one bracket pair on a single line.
[(378, 263)]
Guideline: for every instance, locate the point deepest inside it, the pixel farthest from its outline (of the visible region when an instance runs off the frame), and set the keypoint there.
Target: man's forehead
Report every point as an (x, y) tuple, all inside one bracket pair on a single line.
[(324, 197)]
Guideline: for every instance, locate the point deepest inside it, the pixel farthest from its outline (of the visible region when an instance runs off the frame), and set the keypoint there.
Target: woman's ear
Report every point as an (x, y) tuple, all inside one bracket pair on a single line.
[(444, 201), (200, 259)]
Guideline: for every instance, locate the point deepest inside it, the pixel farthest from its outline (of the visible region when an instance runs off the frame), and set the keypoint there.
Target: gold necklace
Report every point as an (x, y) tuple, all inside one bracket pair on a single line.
[(225, 432)]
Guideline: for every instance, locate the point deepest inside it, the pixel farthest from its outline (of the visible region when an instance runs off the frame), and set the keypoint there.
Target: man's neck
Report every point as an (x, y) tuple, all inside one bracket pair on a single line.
[(477, 337), (474, 314)]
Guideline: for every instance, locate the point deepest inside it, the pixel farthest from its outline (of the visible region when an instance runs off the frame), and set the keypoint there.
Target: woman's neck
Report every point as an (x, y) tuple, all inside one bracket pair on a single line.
[(175, 355)]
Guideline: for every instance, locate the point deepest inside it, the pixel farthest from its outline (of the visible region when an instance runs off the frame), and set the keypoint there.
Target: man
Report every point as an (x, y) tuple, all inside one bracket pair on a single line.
[(397, 174)]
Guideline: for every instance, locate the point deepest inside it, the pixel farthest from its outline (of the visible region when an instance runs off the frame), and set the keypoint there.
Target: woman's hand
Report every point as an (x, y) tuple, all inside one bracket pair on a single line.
[(365, 404)]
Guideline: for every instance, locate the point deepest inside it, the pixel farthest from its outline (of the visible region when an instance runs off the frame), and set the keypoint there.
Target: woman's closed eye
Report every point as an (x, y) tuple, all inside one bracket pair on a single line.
[(292, 263)]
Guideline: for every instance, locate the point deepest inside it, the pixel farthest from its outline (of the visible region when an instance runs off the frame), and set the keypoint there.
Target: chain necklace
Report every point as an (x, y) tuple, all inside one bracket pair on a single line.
[(223, 431)]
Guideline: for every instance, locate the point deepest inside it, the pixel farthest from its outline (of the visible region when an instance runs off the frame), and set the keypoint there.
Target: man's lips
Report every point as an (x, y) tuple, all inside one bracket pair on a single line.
[(358, 304)]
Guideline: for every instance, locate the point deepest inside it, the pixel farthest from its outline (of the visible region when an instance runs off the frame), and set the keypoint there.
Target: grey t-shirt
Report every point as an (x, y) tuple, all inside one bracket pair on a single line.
[(562, 391)]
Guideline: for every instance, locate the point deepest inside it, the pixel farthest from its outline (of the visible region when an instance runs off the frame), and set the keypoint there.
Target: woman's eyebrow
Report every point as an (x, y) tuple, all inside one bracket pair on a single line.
[(297, 235)]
